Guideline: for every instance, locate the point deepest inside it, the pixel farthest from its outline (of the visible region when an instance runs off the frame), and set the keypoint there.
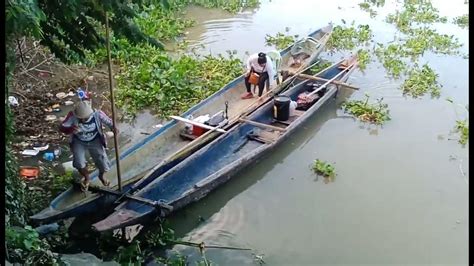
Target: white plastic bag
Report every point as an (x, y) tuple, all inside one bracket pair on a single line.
[(292, 108)]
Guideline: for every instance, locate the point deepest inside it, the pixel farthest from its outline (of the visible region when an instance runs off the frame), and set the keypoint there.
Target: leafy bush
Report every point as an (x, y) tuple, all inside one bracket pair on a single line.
[(376, 113), (25, 247)]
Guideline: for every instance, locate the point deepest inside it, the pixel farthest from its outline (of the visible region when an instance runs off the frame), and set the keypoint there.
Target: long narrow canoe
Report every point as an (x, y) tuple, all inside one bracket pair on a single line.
[(193, 178), (163, 149)]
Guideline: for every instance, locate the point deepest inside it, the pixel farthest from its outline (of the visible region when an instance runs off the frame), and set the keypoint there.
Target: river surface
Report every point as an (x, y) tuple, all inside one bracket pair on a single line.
[(400, 196)]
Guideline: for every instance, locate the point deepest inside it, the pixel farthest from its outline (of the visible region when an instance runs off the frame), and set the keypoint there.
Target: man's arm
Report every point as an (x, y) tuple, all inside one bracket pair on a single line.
[(106, 119)]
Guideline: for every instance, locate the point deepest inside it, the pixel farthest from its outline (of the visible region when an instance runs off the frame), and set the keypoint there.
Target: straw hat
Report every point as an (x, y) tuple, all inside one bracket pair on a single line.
[(83, 110)]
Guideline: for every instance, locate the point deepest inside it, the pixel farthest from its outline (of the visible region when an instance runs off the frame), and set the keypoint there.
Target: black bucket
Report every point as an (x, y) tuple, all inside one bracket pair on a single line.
[(281, 108)]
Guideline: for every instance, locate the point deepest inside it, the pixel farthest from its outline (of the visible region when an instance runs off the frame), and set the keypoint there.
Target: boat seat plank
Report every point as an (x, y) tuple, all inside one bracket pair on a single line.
[(261, 125), (187, 136)]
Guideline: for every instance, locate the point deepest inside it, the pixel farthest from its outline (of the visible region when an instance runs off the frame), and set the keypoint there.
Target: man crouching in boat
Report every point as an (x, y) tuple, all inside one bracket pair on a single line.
[(85, 126), (259, 69)]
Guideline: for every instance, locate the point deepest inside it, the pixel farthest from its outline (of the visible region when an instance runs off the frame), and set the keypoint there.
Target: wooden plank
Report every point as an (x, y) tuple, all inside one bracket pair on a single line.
[(130, 197), (337, 82), (262, 125), (196, 123)]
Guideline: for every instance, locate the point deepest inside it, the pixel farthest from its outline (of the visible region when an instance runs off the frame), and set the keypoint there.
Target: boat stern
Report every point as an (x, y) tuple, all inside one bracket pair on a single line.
[(119, 219)]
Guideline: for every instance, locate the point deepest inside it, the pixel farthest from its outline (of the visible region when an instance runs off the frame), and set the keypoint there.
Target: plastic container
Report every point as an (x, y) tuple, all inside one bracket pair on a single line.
[(293, 106), (281, 107), (198, 131), (48, 156)]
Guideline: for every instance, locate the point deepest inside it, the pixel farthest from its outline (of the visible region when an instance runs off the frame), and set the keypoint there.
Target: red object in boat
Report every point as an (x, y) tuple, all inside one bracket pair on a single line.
[(198, 131)]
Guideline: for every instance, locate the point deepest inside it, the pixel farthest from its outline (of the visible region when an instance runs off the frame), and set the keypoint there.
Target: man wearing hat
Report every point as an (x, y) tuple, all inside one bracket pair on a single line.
[(85, 126)]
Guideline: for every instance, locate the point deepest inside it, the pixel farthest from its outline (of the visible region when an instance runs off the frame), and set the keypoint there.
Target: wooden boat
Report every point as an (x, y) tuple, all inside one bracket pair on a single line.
[(255, 135), (165, 148)]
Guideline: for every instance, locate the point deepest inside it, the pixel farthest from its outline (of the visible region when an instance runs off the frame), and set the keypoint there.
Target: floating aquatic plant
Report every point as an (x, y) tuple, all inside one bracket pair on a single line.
[(391, 58), (415, 12), (366, 7), (347, 38), (324, 169), (171, 86), (462, 127), (280, 40), (420, 81), (319, 66), (376, 113), (462, 21), (422, 39), (363, 58)]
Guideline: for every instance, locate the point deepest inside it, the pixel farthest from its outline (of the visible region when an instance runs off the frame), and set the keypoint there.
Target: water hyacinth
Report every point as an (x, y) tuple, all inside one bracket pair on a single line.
[(280, 40), (462, 21), (366, 7), (323, 168), (347, 38), (420, 81), (363, 57), (462, 127), (375, 113), (421, 12), (391, 59), (172, 86)]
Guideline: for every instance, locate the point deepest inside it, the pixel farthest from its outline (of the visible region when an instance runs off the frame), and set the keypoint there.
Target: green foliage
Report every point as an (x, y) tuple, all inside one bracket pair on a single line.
[(415, 11), (232, 6), (462, 21), (61, 182), (172, 86), (280, 40), (376, 113), (423, 39), (390, 58), (366, 7), (363, 58), (347, 38), (73, 27), (130, 255), (14, 187), (319, 66), (462, 127), (25, 247), (323, 168), (23, 17), (161, 23), (420, 81), (174, 260)]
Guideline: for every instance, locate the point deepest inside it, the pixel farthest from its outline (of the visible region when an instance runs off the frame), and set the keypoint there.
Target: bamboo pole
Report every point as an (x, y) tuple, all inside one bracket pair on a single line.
[(112, 102), (323, 79)]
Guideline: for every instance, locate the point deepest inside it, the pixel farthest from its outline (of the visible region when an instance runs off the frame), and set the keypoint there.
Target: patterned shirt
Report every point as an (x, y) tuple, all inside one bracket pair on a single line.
[(87, 131)]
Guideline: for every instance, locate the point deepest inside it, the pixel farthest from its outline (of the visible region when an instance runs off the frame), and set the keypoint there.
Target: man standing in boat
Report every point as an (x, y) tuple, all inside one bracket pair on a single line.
[(85, 126), (259, 70)]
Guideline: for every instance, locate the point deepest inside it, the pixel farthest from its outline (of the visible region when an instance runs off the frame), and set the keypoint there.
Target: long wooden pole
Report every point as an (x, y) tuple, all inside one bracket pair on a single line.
[(112, 102)]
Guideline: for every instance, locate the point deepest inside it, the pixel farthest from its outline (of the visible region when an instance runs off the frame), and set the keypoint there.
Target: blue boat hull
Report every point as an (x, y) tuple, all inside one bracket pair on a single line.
[(216, 163)]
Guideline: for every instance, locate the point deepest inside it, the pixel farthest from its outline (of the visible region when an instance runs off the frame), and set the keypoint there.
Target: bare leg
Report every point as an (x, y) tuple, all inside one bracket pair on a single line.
[(85, 174), (104, 182)]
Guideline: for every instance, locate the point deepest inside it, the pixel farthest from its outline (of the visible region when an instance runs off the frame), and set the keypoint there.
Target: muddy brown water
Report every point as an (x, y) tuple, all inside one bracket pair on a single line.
[(401, 191)]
